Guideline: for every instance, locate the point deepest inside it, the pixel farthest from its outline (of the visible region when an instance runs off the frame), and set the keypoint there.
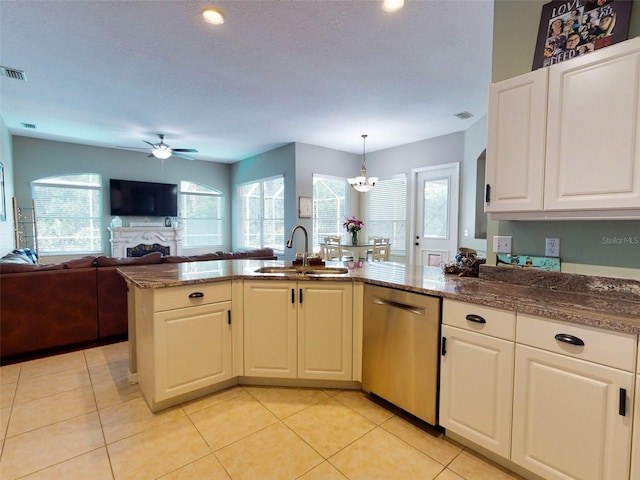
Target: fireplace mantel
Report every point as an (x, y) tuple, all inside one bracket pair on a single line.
[(123, 238)]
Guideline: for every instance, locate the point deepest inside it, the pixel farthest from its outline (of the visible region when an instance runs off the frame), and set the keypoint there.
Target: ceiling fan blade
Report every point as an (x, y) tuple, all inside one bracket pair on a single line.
[(149, 143), (133, 148), (180, 155), (188, 150)]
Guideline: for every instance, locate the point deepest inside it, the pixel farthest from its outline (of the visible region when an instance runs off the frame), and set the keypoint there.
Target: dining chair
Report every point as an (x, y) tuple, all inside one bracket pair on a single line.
[(380, 250), (333, 249)]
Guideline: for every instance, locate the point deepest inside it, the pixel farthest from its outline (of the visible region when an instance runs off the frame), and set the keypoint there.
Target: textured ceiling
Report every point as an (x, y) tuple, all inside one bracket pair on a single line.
[(116, 72)]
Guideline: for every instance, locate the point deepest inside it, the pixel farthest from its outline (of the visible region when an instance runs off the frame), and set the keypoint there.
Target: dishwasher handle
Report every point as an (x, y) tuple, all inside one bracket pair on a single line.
[(402, 306)]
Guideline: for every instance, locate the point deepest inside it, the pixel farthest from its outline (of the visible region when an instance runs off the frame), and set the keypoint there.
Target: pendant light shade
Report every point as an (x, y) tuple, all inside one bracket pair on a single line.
[(362, 183)]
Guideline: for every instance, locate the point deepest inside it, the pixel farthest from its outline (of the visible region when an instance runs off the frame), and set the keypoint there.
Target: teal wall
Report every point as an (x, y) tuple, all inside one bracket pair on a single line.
[(35, 158), (581, 242)]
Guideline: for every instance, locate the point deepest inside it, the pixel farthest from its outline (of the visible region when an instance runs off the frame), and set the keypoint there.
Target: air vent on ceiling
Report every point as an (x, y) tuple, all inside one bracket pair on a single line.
[(29, 125), (13, 73), (463, 115)]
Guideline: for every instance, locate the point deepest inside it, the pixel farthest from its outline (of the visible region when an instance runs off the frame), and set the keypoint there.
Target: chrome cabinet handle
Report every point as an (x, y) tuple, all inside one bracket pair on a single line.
[(570, 339), (196, 295)]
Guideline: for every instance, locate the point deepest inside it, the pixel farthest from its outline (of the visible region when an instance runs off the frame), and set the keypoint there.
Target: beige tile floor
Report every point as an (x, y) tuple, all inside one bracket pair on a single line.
[(75, 416)]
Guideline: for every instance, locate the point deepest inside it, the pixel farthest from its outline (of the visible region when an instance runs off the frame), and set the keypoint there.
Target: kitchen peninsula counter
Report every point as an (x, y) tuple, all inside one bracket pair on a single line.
[(601, 302)]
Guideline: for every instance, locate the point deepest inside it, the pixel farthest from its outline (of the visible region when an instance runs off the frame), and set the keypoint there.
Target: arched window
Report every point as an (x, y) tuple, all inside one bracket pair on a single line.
[(69, 213), (201, 215)]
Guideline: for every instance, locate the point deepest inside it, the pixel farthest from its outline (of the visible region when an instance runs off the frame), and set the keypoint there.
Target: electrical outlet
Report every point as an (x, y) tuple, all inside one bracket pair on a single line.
[(552, 247), (501, 244)]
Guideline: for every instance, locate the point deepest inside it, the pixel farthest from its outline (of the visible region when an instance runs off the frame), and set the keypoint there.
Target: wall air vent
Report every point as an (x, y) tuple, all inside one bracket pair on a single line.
[(29, 125), (12, 73), (463, 115)]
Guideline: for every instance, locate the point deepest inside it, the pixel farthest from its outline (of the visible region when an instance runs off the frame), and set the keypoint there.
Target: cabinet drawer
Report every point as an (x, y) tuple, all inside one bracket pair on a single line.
[(606, 347), (497, 323), (190, 295)]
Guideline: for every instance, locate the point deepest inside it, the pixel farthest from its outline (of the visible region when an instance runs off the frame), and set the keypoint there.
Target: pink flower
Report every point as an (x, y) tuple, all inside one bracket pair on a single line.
[(353, 224)]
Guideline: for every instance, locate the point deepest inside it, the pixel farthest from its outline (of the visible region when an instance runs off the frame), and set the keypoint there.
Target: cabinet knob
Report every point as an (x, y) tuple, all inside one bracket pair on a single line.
[(196, 295)]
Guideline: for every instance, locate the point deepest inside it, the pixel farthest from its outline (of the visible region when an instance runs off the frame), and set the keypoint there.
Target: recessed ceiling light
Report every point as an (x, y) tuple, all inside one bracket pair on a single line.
[(213, 16), (392, 5)]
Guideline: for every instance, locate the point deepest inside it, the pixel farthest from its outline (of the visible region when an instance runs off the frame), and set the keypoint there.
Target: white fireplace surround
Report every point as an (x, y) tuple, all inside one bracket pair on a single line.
[(123, 238)]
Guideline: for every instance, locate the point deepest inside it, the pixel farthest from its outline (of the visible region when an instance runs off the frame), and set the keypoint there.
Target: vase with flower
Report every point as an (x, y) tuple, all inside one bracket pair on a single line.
[(353, 226)]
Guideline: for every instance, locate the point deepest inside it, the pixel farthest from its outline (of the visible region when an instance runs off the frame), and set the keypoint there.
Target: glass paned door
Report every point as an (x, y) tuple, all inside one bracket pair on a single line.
[(436, 237)]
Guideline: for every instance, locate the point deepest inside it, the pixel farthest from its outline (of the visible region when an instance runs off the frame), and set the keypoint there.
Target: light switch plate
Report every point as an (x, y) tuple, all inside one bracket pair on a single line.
[(501, 244), (552, 247)]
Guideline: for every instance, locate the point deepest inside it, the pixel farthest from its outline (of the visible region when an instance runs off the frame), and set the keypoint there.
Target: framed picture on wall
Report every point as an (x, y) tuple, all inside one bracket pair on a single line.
[(572, 28), (305, 207), (3, 205)]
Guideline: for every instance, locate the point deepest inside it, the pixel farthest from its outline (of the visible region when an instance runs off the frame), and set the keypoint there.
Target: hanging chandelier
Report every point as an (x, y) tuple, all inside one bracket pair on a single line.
[(362, 183)]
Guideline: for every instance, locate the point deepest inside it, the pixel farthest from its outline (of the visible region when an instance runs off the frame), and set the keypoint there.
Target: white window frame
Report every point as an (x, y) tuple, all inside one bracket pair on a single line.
[(254, 228), (340, 215), (388, 218), (51, 223), (205, 231)]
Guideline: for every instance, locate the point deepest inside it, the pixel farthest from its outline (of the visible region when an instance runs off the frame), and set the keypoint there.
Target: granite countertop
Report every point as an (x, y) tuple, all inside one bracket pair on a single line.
[(602, 302)]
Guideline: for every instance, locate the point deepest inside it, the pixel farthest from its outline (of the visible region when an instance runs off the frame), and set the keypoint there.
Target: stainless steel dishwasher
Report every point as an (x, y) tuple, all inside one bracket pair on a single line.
[(400, 351)]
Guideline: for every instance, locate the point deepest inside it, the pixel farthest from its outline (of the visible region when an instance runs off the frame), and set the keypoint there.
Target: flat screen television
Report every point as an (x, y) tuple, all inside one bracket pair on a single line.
[(143, 199)]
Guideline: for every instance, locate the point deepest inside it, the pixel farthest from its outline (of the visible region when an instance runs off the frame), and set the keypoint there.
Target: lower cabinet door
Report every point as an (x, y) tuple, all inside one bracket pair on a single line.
[(270, 329), (325, 330), (571, 418), (476, 385), (192, 349), (635, 452)]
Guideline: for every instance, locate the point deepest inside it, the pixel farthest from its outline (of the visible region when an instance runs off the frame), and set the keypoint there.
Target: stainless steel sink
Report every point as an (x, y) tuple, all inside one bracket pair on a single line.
[(303, 270)]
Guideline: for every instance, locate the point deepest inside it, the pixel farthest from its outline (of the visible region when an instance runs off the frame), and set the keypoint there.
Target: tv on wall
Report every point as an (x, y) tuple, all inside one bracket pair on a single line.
[(143, 199)]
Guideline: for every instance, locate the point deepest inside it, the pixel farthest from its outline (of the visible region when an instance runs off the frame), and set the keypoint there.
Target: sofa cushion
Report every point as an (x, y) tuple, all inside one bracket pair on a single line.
[(29, 267), (16, 257), (84, 262), (204, 257), (148, 259)]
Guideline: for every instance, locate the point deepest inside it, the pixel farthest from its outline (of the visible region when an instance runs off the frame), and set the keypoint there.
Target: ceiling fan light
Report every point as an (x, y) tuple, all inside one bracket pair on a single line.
[(392, 5), (213, 16), (161, 152)]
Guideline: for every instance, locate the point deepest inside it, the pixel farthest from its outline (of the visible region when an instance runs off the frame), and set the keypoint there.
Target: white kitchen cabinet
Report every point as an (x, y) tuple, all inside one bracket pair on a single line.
[(476, 374), (588, 156), (572, 403), (516, 142), (270, 329), (635, 451), (184, 341), (593, 131), (298, 329)]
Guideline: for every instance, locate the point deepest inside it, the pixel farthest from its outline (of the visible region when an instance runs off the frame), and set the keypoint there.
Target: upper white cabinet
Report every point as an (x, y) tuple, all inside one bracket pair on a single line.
[(515, 143), (564, 141)]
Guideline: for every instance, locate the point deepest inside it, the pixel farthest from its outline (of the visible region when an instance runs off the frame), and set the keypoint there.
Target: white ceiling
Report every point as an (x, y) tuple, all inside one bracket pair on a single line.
[(116, 72)]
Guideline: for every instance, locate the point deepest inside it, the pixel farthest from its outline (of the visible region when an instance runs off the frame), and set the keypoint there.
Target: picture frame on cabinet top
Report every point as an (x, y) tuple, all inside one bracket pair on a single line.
[(569, 29)]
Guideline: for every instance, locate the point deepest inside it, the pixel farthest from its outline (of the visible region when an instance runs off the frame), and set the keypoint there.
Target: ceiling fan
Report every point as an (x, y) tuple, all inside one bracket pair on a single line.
[(162, 150)]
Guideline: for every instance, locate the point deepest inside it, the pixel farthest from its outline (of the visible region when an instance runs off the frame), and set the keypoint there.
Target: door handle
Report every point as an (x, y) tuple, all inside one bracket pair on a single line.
[(196, 295)]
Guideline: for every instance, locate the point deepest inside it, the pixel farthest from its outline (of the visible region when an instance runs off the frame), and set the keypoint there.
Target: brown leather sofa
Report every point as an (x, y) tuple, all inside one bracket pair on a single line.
[(46, 308)]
